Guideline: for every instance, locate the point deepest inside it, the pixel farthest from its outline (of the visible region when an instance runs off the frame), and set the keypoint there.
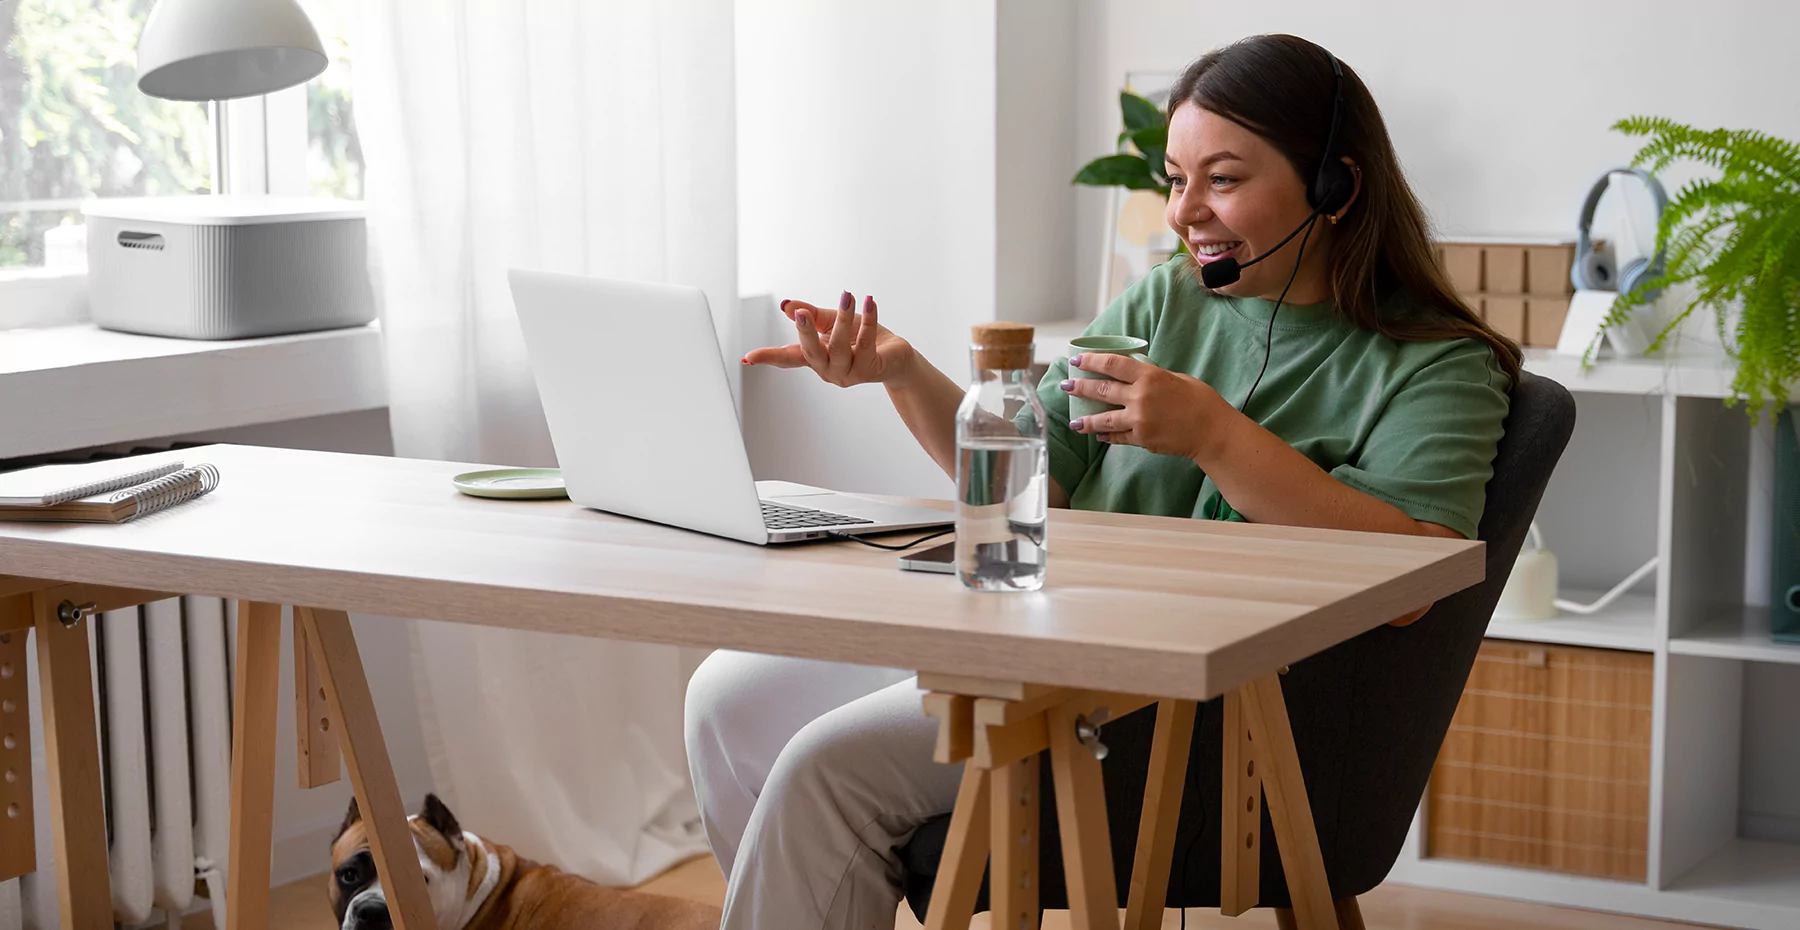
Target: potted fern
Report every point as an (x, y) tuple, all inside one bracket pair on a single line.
[(1736, 237)]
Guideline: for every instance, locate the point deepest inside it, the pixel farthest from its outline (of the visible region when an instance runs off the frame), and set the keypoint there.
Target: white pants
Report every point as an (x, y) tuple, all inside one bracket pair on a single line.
[(809, 774)]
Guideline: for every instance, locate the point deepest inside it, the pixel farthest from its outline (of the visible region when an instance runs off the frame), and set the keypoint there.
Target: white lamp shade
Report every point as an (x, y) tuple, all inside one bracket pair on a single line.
[(224, 49)]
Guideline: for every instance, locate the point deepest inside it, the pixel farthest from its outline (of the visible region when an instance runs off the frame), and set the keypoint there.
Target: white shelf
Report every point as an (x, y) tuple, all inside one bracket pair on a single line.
[(1755, 882), (1748, 883), (1629, 623), (91, 387), (1683, 376), (1739, 634), (1698, 375)]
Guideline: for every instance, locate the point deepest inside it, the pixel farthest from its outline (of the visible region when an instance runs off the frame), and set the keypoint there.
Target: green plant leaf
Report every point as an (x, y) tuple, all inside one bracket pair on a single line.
[(1152, 141), (1736, 238), (1139, 113), (1118, 171)]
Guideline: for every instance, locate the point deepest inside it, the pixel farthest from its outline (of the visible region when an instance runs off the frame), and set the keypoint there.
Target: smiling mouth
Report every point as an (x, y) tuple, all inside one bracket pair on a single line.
[(1213, 251)]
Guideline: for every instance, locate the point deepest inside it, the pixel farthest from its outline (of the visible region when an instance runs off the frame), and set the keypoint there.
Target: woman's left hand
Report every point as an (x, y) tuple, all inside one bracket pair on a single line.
[(1163, 411)]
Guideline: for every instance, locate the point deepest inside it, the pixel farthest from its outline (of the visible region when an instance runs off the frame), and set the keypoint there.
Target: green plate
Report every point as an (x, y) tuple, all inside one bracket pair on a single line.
[(513, 483)]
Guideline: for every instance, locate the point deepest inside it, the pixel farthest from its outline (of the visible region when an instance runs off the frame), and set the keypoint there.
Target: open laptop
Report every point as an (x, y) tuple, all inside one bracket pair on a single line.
[(640, 413)]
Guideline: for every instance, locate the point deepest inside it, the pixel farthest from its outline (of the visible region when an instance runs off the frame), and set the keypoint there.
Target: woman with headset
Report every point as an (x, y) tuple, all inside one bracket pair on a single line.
[(1338, 383)]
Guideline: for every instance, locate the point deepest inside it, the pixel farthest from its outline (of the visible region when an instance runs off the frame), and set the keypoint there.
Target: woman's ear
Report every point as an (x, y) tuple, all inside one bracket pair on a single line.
[(1355, 189)]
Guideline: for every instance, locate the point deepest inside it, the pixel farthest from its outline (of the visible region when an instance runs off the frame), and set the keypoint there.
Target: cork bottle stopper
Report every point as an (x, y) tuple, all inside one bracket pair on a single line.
[(1002, 345)]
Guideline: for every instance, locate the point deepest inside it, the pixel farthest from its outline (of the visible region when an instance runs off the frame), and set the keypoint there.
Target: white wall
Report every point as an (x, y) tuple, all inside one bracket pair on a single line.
[(1499, 110), (920, 152), (865, 162), (1037, 152)]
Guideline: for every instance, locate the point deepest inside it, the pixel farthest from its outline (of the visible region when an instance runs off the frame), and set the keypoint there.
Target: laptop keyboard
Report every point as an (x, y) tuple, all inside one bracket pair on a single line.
[(785, 517)]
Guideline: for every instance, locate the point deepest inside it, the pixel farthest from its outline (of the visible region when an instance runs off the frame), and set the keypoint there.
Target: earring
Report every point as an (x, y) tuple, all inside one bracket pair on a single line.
[(1333, 218)]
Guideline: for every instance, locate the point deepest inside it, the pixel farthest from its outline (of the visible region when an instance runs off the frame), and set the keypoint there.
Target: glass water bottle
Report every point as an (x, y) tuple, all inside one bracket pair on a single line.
[(1002, 471)]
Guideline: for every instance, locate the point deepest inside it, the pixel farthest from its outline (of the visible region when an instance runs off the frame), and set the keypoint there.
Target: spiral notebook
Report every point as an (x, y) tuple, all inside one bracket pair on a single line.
[(79, 494)]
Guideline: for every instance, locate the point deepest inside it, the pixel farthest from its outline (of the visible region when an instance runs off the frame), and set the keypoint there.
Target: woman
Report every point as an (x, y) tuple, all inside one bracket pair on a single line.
[(1340, 383)]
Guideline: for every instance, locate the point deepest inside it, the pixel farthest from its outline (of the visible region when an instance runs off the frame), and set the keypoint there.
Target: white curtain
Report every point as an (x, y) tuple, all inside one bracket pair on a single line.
[(587, 136)]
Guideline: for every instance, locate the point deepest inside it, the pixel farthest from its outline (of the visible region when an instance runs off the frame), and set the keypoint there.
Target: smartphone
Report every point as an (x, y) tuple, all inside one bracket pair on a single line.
[(941, 559)]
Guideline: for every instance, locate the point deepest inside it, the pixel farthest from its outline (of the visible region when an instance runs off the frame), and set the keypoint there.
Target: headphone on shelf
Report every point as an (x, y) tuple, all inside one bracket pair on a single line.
[(1595, 268)]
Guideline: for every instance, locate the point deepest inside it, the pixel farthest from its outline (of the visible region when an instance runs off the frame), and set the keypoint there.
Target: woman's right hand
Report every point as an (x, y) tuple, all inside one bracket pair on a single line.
[(841, 346)]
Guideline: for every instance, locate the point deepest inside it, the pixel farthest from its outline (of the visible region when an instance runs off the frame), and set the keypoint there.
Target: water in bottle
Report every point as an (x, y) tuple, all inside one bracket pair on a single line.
[(1002, 470)]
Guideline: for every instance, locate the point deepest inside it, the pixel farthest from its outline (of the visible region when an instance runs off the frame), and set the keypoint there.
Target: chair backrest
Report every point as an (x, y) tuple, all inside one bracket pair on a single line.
[(1395, 731), (1369, 715)]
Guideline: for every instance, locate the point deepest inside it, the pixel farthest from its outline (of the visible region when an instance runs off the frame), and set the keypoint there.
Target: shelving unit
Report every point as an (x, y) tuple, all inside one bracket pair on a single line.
[(1628, 623), (1740, 633), (1658, 466)]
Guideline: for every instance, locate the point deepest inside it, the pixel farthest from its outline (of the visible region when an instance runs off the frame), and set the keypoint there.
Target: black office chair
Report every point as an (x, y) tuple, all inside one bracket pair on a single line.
[(1369, 716)]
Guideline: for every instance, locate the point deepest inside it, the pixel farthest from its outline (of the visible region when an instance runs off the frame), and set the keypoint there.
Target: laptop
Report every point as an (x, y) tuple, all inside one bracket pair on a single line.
[(640, 412)]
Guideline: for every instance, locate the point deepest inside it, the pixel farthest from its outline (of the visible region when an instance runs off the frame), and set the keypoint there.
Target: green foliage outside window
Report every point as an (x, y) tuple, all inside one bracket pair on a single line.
[(73, 123)]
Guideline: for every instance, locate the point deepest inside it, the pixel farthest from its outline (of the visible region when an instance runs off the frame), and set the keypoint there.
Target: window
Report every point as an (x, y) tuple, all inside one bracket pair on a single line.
[(73, 125), (334, 163)]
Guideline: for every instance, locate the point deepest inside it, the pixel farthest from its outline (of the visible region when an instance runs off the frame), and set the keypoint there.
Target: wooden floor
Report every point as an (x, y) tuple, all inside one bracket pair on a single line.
[(301, 906)]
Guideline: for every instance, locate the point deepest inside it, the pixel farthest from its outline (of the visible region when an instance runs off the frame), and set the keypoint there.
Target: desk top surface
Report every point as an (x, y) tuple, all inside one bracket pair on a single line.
[(1149, 605)]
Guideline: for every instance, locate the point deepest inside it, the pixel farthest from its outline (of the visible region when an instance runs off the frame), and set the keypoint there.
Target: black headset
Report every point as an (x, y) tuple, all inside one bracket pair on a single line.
[(1334, 182), (1332, 186)]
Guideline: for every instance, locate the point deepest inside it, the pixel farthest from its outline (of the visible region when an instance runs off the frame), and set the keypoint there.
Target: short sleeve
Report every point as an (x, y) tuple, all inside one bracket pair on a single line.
[(1133, 313), (1070, 453), (1431, 451)]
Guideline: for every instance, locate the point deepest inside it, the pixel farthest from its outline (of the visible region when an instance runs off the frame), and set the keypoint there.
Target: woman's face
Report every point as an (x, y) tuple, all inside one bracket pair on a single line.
[(1232, 193)]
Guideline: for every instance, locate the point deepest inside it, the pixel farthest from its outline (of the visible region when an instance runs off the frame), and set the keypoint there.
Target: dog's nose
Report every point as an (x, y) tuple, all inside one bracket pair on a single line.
[(371, 915)]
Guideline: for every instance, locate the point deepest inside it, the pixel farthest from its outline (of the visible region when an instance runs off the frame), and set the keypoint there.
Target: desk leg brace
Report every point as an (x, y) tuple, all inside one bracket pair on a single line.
[(371, 773), (1290, 812)]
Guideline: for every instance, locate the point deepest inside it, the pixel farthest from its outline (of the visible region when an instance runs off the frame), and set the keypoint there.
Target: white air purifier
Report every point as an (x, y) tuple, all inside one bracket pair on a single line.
[(227, 267)]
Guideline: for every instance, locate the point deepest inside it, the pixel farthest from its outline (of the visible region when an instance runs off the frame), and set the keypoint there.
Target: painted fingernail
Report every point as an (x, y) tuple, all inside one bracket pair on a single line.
[(1075, 362), (1102, 438), (1069, 386), (801, 317), (1075, 424)]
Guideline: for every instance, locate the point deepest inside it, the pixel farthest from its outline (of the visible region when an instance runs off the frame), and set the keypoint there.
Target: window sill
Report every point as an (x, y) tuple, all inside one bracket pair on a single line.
[(89, 387), (35, 297)]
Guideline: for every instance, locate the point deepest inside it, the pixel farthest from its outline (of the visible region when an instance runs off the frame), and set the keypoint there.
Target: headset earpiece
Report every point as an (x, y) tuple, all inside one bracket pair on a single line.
[(1332, 188), (1333, 184)]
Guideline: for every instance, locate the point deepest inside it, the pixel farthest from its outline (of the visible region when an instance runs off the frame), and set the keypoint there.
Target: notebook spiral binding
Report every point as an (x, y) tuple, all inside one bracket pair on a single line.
[(166, 492)]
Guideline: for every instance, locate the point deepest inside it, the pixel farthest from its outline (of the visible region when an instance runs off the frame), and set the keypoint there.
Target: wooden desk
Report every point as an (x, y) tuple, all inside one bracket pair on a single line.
[(1180, 610)]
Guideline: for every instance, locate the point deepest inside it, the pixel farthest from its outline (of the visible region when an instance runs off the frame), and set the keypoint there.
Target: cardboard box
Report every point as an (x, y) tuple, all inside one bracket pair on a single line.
[(1462, 263), (1503, 269), (1506, 314), (1544, 319), (1474, 302), (1547, 269)]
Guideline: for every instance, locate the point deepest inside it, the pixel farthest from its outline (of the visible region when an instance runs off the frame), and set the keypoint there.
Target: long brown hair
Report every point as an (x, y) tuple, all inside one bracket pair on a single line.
[(1281, 88)]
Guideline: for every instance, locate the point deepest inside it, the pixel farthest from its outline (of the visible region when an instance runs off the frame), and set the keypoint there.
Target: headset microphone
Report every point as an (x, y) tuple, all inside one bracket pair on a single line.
[(1225, 271)]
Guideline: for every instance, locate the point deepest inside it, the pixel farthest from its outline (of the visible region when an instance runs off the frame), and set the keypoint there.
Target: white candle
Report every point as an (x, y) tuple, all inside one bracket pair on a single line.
[(1530, 592)]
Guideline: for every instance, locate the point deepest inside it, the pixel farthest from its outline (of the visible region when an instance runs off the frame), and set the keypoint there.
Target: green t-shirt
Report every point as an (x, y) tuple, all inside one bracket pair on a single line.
[(1414, 424)]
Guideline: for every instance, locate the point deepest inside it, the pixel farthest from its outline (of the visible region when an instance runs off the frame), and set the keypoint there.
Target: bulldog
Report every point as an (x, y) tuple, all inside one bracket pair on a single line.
[(477, 884)]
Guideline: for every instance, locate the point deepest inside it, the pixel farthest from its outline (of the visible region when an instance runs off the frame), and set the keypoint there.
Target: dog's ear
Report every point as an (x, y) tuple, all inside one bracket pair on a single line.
[(438, 817), (351, 816)]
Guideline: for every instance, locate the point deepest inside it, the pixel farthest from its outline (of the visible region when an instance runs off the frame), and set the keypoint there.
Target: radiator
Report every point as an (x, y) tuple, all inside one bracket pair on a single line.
[(162, 681)]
